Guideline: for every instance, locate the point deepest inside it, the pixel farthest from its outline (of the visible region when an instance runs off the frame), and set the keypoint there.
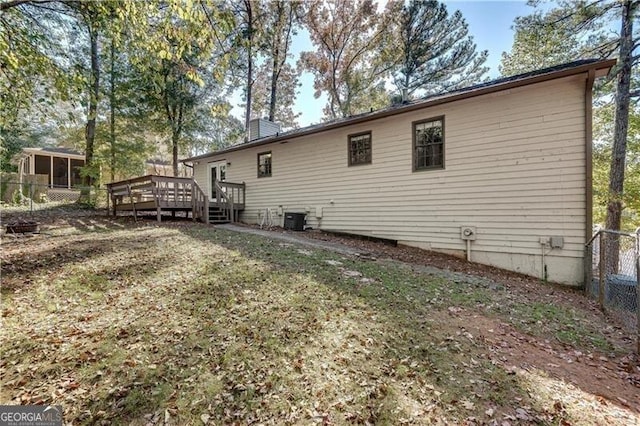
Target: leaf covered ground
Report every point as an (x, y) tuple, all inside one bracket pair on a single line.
[(180, 323)]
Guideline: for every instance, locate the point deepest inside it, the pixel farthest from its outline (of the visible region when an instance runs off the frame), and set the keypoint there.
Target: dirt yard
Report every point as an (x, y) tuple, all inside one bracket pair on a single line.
[(182, 323)]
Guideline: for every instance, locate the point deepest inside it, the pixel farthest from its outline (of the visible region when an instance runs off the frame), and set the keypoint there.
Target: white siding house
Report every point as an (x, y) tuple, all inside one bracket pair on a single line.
[(510, 158)]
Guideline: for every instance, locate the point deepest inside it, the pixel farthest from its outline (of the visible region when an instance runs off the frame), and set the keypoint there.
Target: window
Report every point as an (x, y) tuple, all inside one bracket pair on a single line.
[(428, 144), (360, 149), (264, 164)]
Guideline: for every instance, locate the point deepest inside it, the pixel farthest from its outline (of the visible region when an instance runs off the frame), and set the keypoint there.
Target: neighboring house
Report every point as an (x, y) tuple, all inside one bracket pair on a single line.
[(60, 165), (508, 161)]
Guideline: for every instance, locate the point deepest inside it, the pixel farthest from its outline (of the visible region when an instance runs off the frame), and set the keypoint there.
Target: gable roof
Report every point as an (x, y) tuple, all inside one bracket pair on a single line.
[(600, 67)]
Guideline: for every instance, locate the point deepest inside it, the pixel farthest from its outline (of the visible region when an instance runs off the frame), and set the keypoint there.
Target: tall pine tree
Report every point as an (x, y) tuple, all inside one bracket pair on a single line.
[(433, 49)]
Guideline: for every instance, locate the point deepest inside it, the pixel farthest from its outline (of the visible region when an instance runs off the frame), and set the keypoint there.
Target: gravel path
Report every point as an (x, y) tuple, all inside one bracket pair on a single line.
[(294, 239)]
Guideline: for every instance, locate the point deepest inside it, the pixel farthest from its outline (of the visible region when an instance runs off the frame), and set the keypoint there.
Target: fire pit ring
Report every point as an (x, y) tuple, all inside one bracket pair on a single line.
[(22, 227)]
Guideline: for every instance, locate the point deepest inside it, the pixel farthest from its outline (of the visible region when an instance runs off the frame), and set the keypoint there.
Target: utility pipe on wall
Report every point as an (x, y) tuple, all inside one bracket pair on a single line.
[(468, 233), (543, 246)]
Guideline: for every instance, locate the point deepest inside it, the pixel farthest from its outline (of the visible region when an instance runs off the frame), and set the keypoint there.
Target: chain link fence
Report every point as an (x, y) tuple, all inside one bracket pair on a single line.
[(21, 200), (615, 281)]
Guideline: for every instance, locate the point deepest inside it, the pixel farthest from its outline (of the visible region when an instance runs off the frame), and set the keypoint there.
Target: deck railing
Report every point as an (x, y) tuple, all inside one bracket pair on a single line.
[(224, 201), (172, 191), (227, 192), (229, 198), (235, 191), (153, 192), (200, 204)]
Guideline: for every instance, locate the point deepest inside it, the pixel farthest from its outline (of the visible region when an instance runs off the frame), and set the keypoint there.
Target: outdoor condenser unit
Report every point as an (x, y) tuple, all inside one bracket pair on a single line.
[(294, 221)]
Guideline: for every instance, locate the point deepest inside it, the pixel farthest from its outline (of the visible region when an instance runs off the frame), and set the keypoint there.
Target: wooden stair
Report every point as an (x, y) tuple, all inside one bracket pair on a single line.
[(218, 215), (227, 204)]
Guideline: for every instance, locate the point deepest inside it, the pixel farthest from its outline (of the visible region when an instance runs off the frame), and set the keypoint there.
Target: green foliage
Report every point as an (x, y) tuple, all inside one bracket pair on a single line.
[(180, 74), (571, 30), (10, 145), (35, 128), (538, 44), (603, 132), (171, 54), (31, 61), (34, 78), (432, 49), (17, 197)]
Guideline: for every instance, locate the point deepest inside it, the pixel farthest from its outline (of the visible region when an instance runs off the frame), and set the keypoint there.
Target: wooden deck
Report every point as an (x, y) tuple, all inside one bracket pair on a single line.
[(172, 194)]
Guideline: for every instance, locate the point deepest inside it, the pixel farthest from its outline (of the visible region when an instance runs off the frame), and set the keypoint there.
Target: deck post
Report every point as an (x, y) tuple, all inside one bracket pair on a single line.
[(133, 203), (68, 173), (206, 209)]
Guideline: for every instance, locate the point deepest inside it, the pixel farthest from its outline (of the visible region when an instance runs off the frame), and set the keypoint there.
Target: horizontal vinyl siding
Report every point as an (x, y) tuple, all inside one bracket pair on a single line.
[(514, 168), (200, 174)]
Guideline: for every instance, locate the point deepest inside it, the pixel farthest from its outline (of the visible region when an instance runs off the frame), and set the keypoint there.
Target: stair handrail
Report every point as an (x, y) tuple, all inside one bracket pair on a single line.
[(199, 202), (229, 210)]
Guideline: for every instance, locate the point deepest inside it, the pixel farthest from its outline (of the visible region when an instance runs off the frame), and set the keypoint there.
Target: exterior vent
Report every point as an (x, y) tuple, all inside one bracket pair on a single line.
[(261, 128)]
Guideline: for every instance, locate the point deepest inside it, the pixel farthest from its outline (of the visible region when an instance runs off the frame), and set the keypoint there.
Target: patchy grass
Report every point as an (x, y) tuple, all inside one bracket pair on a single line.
[(187, 324), (566, 324)]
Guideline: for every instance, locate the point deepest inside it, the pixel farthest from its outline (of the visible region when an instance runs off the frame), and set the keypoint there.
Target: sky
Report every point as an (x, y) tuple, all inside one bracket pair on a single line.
[(489, 23)]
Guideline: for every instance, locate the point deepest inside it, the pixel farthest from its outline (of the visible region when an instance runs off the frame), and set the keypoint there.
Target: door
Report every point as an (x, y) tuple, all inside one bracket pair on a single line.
[(217, 172)]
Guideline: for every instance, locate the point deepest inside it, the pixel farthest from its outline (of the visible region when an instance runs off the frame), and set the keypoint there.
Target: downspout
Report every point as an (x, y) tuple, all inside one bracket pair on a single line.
[(543, 272), (588, 184), (193, 170)]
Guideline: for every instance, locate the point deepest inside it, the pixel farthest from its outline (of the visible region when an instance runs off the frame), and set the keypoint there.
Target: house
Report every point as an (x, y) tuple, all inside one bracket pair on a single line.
[(499, 172), (60, 165)]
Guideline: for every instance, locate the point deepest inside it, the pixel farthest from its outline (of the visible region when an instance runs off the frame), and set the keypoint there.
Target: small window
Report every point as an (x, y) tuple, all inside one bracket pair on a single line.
[(360, 149), (264, 164), (428, 144)]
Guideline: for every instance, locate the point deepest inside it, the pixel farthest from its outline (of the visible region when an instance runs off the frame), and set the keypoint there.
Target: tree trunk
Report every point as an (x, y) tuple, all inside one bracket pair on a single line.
[(112, 107), (94, 93), (274, 85), (249, 87), (275, 70), (177, 128), (619, 151), (175, 138)]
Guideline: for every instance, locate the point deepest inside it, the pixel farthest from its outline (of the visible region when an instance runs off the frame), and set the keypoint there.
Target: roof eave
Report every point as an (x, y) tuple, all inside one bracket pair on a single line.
[(40, 151)]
